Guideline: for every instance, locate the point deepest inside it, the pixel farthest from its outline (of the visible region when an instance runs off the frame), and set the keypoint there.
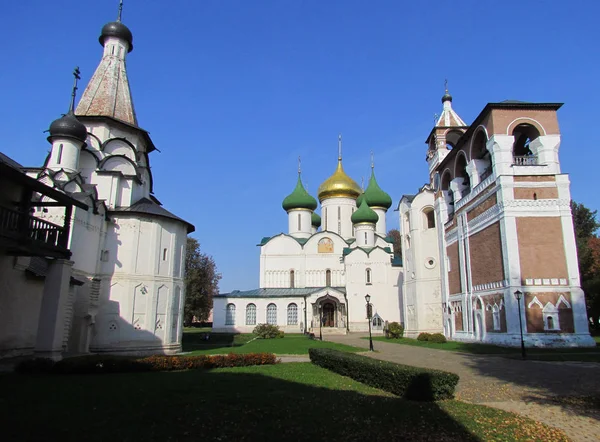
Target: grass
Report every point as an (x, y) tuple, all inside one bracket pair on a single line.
[(299, 402), (223, 343), (538, 354)]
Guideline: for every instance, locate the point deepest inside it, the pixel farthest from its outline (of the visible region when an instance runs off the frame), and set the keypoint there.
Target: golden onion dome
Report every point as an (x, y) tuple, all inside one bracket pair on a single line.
[(339, 185)]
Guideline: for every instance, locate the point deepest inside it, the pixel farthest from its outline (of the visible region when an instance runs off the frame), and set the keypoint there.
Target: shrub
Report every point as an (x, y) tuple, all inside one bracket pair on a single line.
[(395, 330), (267, 331), (413, 383), (97, 364), (423, 336), (438, 338)]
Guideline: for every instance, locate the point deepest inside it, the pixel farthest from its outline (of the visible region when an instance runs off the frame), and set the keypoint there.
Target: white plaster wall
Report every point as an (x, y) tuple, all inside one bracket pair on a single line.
[(69, 159), (381, 226), (220, 304), (20, 301), (305, 223), (331, 208)]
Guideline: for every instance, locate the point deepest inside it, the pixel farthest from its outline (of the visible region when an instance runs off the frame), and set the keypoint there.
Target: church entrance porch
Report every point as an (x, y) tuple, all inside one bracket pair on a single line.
[(328, 315)]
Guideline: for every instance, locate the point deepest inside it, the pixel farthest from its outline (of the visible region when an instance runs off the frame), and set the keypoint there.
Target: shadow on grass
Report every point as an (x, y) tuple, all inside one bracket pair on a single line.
[(209, 341), (197, 405)]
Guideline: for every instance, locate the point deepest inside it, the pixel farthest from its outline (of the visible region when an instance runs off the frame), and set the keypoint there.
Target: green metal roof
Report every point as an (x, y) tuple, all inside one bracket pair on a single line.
[(299, 199), (277, 292), (315, 219), (364, 214), (375, 196), (367, 250)]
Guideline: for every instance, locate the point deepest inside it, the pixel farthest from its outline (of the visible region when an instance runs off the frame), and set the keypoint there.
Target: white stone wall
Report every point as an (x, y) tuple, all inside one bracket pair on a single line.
[(335, 216)]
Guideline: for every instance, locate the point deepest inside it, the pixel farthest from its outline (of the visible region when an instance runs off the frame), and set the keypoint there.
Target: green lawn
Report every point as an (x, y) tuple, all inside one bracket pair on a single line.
[(299, 402), (223, 343), (541, 354)]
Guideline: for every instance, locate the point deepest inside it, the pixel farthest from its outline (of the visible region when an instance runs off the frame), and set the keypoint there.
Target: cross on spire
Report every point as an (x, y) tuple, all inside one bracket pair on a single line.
[(362, 183), (77, 76), (299, 165), (446, 85), (120, 10), (340, 147), (372, 160)]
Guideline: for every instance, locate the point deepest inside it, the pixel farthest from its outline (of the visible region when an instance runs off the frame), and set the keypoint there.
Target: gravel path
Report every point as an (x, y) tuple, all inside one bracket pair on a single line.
[(555, 393)]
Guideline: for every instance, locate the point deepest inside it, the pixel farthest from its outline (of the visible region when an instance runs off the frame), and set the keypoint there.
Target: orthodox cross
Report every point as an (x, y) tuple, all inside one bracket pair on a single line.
[(120, 10), (340, 147), (446, 85), (372, 160), (77, 76), (299, 165)]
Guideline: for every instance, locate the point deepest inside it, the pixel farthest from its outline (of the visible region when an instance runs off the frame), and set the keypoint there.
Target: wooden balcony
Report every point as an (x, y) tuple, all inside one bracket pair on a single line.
[(25, 235)]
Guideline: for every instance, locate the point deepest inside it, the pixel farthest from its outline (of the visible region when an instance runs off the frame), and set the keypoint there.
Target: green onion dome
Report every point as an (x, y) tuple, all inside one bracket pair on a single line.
[(360, 198), (299, 199), (315, 220), (375, 196), (364, 214)]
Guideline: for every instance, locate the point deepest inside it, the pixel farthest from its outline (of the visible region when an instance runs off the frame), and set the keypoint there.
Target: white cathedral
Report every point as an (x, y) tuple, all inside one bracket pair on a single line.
[(315, 280), (90, 261)]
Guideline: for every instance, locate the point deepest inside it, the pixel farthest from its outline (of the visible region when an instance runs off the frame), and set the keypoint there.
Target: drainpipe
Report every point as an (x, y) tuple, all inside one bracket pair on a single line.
[(347, 314)]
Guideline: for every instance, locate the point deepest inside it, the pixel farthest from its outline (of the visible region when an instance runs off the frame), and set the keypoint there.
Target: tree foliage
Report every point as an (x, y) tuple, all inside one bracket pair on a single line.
[(395, 235), (588, 250), (201, 282)]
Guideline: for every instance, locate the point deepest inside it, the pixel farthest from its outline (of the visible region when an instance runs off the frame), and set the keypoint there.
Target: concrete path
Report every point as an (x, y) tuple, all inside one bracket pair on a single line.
[(550, 392)]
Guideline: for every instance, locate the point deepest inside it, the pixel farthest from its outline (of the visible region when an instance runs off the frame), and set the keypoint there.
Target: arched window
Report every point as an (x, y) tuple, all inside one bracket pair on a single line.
[(366, 239), (522, 154), (461, 171), (496, 317), (368, 276), (550, 313), (292, 279), (429, 215), (328, 278), (339, 220), (299, 222), (272, 314), (251, 314), (60, 151), (479, 152), (325, 218), (452, 138), (292, 314), (230, 314)]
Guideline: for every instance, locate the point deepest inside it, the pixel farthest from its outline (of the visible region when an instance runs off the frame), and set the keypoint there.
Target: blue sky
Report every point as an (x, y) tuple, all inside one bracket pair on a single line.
[(233, 92)]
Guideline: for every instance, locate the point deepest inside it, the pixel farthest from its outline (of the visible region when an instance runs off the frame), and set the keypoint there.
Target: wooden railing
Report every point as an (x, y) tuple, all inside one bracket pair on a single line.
[(22, 226)]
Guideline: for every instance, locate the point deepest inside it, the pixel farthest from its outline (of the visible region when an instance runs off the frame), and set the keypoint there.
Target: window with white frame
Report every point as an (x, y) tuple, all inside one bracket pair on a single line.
[(272, 314), (230, 314), (292, 314), (368, 276), (551, 321), (292, 279), (328, 278), (251, 314), (496, 317)]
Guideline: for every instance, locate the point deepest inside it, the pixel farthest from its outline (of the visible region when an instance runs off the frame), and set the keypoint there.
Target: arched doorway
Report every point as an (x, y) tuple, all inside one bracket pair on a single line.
[(328, 314)]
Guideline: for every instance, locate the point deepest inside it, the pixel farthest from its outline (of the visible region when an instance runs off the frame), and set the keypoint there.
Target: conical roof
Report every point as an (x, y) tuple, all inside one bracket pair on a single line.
[(315, 220), (364, 214), (339, 185), (299, 199), (375, 196)]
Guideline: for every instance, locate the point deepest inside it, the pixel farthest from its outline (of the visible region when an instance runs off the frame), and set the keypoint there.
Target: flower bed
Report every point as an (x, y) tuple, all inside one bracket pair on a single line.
[(127, 364)]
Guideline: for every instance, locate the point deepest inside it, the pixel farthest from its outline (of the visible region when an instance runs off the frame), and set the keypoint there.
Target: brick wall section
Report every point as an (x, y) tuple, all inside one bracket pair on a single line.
[(541, 247), (454, 273), (534, 178), (488, 203), (485, 248), (531, 193), (489, 315), (458, 321), (535, 320), (499, 119)]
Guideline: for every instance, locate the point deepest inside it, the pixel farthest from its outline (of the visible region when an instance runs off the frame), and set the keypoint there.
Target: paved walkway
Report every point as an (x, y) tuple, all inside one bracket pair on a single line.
[(550, 392)]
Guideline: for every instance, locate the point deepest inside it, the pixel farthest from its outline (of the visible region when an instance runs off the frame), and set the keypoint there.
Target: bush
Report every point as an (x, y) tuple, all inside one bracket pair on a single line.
[(413, 383), (438, 338), (395, 330), (267, 331), (423, 336), (97, 364)]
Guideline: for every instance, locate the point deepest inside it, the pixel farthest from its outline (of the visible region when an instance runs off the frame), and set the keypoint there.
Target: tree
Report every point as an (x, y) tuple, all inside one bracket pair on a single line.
[(395, 235), (588, 252), (201, 283)]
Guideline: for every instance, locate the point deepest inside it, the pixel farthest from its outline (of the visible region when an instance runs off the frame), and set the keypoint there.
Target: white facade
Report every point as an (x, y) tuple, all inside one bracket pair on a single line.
[(127, 251), (325, 276)]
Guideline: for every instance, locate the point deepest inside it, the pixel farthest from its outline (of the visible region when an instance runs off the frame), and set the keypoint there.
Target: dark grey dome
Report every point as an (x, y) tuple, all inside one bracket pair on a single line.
[(118, 30), (68, 126), (447, 97)]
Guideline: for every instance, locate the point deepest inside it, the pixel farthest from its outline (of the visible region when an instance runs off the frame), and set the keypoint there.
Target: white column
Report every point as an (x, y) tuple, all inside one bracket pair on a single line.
[(50, 334)]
